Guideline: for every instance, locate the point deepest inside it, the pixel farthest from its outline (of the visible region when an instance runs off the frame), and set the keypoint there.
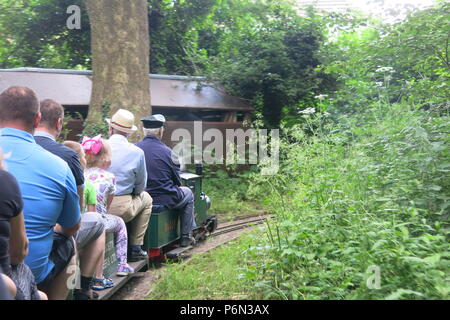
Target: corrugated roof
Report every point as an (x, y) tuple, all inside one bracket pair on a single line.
[(73, 87)]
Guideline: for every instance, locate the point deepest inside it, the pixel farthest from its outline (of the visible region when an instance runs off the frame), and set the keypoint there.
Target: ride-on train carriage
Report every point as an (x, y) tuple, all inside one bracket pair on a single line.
[(163, 234)]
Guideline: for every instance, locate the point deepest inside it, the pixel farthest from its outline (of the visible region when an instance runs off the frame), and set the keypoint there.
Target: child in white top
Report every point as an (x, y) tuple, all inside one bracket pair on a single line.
[(98, 158)]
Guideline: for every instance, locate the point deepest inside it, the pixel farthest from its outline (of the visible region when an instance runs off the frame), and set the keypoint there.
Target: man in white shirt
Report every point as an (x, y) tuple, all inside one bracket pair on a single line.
[(130, 202)]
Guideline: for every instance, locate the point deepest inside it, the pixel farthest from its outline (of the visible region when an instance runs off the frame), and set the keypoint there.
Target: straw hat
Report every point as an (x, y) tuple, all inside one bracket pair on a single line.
[(122, 120)]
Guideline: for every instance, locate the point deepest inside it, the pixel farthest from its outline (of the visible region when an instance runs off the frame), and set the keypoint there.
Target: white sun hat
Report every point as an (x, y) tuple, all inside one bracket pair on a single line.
[(122, 120)]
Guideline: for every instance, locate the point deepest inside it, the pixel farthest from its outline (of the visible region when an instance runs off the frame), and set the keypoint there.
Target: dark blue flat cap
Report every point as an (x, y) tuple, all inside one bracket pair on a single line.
[(153, 121)]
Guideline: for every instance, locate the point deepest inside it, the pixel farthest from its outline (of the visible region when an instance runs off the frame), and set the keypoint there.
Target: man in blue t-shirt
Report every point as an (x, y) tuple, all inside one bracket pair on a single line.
[(90, 239), (51, 203)]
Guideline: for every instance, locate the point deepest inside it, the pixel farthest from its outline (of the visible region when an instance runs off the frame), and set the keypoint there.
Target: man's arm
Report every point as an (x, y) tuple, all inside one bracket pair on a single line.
[(67, 232), (80, 192), (18, 241), (175, 166), (77, 171), (12, 204), (69, 220), (141, 175)]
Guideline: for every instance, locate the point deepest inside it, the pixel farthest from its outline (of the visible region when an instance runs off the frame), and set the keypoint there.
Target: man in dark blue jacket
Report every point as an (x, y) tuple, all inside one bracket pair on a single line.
[(163, 176)]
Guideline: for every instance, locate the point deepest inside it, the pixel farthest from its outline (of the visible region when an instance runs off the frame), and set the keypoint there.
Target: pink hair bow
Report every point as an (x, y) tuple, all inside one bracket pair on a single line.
[(92, 145)]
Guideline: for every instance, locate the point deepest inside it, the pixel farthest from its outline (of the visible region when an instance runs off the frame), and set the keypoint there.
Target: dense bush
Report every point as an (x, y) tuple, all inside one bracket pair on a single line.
[(373, 191), (363, 194), (405, 62)]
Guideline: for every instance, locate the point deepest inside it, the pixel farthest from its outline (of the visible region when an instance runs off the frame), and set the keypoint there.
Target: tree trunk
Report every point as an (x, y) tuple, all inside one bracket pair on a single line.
[(120, 58)]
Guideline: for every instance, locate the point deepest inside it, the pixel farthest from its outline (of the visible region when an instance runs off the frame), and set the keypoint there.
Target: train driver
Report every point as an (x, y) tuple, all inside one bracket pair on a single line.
[(163, 176)]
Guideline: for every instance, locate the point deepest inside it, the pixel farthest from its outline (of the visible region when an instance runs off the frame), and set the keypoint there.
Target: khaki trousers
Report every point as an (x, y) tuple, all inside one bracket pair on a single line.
[(135, 211)]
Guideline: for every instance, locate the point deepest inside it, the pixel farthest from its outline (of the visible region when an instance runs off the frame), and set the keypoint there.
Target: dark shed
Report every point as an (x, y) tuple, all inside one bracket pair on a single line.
[(180, 98)]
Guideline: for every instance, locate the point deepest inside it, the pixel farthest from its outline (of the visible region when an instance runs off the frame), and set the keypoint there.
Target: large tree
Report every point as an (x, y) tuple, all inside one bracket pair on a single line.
[(120, 58)]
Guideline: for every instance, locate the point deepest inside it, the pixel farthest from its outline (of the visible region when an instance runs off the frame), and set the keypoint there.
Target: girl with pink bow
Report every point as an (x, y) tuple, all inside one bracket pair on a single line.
[(98, 158)]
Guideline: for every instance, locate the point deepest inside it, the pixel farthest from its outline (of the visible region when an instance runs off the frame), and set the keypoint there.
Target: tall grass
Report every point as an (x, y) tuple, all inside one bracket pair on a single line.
[(365, 197), (212, 275)]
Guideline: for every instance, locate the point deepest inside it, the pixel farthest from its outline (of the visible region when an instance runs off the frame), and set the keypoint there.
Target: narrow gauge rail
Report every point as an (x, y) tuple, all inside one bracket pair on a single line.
[(240, 224), (144, 265)]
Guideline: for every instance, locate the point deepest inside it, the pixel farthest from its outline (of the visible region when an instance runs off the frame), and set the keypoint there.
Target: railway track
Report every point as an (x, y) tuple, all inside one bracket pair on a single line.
[(142, 266), (239, 224)]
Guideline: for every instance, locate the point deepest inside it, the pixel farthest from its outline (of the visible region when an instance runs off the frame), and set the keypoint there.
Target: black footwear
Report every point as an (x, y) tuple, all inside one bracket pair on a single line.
[(137, 255), (187, 241), (83, 295)]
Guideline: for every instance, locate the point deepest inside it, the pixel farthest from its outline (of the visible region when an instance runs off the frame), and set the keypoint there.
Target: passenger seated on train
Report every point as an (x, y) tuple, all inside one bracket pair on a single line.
[(99, 282), (90, 239), (163, 181), (7, 287), (51, 203), (98, 159), (13, 241), (89, 195), (131, 202)]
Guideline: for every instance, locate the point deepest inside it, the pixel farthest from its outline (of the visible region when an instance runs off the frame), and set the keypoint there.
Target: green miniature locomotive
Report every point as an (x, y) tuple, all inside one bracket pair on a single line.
[(163, 233)]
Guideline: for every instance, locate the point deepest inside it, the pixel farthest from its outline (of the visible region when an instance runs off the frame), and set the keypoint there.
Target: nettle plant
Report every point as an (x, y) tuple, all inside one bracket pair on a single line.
[(360, 199)]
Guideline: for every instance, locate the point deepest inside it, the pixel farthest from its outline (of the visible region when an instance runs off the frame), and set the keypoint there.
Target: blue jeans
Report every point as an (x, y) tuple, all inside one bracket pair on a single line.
[(186, 206)]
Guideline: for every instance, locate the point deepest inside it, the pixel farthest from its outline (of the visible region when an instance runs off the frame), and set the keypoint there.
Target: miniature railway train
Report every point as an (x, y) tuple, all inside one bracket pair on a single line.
[(162, 237)]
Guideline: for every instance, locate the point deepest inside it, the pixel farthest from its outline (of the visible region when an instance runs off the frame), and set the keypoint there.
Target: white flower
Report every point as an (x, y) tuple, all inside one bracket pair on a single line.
[(308, 111), (385, 69), (321, 96), (378, 84)]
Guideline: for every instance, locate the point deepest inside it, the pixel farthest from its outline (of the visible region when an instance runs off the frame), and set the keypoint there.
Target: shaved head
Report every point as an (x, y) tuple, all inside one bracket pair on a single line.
[(19, 104)]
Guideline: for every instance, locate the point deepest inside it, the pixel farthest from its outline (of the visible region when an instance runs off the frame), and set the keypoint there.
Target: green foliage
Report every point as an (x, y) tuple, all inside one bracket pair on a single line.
[(178, 280), (261, 50), (359, 196), (230, 194), (100, 126), (348, 199), (175, 34), (34, 34), (364, 171), (66, 131), (272, 64), (365, 185), (410, 59)]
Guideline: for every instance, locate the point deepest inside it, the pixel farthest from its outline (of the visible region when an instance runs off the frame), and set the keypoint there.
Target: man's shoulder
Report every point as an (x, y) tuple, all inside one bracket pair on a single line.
[(153, 144), (45, 142), (57, 149), (68, 154), (132, 149), (166, 150), (140, 144), (51, 160)]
